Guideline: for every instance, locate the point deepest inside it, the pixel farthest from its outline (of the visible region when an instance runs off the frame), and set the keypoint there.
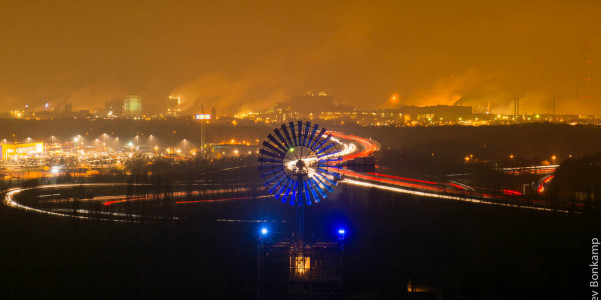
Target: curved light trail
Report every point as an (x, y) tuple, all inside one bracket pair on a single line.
[(351, 147), (103, 215), (426, 188)]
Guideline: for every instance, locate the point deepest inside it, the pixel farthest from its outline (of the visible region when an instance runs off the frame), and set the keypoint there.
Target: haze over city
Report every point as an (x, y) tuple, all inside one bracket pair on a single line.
[(245, 56), (326, 150)]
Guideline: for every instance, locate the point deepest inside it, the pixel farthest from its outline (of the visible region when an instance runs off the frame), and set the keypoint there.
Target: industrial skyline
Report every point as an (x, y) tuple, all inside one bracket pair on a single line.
[(232, 55)]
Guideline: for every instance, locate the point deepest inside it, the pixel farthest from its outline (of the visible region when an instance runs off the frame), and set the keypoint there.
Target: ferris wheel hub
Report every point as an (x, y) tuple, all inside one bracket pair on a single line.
[(300, 164)]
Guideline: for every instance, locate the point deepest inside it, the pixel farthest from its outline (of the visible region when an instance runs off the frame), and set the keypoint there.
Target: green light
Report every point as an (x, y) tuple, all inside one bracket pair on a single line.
[(291, 150)]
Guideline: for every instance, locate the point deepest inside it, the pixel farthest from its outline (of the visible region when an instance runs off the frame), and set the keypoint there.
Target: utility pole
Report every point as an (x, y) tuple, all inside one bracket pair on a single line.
[(202, 134)]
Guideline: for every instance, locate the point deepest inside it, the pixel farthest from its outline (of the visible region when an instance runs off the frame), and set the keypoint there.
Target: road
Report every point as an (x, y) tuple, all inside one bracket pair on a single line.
[(353, 147), (427, 188)]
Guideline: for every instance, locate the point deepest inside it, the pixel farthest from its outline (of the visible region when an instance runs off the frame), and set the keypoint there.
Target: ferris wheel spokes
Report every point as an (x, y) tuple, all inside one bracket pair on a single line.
[(300, 163)]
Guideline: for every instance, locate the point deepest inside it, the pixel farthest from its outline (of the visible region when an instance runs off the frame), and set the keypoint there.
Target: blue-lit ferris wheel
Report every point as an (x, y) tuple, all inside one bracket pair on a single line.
[(300, 163)]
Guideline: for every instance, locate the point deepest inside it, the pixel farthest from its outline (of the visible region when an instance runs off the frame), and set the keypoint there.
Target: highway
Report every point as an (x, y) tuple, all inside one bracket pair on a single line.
[(351, 147), (427, 188)]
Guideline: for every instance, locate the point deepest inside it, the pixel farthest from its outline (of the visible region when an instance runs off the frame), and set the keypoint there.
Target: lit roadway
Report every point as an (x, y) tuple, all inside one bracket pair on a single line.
[(425, 188), (352, 147)]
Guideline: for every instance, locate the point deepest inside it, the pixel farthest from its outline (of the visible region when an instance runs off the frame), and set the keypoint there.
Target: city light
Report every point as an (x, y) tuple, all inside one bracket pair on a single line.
[(202, 117), (148, 149)]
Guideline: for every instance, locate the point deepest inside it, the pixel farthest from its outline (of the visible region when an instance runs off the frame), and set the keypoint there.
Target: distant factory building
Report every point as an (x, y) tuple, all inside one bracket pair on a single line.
[(438, 112), (68, 108), (132, 106), (173, 108), (312, 103), (84, 113), (114, 108)]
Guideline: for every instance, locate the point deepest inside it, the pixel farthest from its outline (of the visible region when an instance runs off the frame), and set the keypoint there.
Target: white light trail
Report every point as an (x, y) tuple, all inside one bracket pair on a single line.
[(434, 195)]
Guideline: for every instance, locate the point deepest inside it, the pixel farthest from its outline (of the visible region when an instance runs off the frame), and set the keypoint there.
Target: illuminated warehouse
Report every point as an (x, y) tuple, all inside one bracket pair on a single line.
[(15, 151)]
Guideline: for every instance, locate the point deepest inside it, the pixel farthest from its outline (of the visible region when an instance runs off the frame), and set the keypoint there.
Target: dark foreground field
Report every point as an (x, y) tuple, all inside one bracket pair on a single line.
[(454, 249)]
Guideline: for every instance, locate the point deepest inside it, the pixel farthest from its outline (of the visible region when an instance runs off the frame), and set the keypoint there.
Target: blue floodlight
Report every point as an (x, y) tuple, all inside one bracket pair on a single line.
[(341, 231), (264, 231)]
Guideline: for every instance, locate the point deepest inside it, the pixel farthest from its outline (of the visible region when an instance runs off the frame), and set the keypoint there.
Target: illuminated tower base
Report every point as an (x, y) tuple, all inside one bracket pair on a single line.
[(300, 270)]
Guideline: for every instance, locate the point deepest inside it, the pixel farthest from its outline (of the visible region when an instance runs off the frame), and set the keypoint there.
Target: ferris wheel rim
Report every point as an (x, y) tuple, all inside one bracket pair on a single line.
[(300, 163)]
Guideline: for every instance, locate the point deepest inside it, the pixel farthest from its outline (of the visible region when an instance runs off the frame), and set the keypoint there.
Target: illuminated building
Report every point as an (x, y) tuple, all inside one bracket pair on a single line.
[(312, 270), (13, 151), (438, 112), (132, 106)]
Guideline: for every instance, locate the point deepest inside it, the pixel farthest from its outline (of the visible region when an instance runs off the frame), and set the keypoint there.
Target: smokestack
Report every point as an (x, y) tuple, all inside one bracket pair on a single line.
[(514, 107)]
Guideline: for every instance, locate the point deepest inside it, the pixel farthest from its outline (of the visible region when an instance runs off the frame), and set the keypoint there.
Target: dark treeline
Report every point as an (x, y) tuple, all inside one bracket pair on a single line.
[(578, 179), (535, 142)]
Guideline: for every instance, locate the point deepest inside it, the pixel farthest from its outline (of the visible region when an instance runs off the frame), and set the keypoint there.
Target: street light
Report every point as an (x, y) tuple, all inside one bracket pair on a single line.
[(151, 140), (553, 158)]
